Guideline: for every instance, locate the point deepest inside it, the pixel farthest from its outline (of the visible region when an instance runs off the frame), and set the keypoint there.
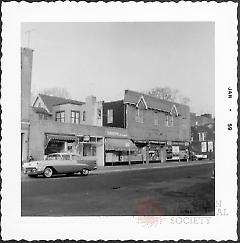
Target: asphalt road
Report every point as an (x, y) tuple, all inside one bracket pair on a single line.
[(165, 191)]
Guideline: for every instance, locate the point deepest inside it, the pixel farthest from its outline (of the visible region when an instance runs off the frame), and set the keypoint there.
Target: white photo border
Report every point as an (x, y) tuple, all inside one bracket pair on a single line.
[(94, 228)]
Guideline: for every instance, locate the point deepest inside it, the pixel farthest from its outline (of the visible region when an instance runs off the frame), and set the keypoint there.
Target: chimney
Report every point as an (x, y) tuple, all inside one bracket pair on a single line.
[(91, 99)]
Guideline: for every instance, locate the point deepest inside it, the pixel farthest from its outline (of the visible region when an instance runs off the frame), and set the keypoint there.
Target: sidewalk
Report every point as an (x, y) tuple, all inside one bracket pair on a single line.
[(122, 168)]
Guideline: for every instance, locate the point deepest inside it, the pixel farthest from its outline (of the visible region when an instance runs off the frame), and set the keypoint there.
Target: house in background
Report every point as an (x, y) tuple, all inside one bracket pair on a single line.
[(26, 78), (68, 110), (203, 140), (160, 129), (201, 120)]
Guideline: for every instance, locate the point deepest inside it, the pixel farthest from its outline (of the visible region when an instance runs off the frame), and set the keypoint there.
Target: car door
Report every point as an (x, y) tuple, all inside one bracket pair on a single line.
[(68, 164), (78, 162), (56, 161)]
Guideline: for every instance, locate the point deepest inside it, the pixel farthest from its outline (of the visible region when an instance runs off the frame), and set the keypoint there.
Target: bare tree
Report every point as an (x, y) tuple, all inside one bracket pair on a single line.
[(166, 93)]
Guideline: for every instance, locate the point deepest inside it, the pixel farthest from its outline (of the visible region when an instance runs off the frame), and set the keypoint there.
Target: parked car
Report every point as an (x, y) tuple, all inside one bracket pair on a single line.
[(195, 156), (59, 163)]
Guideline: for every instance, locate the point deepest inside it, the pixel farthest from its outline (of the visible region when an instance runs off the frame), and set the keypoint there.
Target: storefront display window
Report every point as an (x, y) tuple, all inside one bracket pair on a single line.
[(89, 150)]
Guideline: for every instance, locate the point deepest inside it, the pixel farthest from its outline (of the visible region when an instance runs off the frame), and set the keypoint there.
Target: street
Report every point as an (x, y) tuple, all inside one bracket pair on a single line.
[(186, 190)]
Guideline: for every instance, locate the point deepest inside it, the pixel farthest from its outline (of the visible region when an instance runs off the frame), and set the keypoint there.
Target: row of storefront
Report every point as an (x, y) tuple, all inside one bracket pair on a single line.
[(115, 150), (107, 145)]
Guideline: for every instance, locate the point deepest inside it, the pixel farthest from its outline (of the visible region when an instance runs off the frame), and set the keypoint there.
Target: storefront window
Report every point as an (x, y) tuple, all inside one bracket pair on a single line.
[(89, 150)]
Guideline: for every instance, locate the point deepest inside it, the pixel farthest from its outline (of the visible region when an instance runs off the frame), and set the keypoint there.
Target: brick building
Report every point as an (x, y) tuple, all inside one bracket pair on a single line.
[(160, 129), (203, 140), (26, 78)]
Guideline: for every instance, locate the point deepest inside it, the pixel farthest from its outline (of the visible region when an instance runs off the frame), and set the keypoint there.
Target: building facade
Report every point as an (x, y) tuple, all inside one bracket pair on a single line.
[(137, 129), (26, 78), (203, 140), (201, 120), (160, 129), (91, 142)]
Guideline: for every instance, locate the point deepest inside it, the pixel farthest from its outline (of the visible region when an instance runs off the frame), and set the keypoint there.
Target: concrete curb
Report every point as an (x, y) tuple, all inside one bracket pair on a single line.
[(159, 166), (127, 168)]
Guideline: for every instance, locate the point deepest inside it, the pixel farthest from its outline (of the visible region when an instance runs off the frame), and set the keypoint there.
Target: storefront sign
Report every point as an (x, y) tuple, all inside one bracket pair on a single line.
[(175, 149), (86, 138), (178, 143), (115, 134)]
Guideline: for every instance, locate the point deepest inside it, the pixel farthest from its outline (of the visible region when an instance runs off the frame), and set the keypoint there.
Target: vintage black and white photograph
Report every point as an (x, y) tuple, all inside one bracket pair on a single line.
[(118, 119)]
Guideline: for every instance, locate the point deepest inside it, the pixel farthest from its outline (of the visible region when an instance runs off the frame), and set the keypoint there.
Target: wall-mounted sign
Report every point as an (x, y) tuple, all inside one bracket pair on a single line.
[(175, 149), (86, 138), (115, 134)]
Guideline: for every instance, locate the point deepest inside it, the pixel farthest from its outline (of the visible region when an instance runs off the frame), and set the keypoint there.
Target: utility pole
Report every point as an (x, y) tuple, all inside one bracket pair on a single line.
[(28, 33)]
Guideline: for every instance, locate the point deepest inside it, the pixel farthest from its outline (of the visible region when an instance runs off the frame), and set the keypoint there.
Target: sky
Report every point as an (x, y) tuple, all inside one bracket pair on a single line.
[(104, 59)]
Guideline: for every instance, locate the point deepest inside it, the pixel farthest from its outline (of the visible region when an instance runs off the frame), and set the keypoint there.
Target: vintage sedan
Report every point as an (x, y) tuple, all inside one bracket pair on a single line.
[(59, 163)]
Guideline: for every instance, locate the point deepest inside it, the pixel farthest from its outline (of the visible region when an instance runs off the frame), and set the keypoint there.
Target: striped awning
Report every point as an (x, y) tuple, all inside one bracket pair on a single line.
[(115, 144), (59, 137)]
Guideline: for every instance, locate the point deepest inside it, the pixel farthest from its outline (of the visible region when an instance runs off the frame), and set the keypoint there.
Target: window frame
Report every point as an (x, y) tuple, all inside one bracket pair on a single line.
[(110, 116), (155, 119), (99, 113), (139, 115), (60, 118), (84, 116), (74, 118)]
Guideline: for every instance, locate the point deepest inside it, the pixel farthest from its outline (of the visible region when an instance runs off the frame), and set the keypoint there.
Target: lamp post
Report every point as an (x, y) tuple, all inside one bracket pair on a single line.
[(129, 159)]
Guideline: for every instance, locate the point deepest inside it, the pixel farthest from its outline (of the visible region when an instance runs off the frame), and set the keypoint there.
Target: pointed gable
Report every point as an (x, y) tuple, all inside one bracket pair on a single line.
[(141, 104), (174, 111), (49, 101)]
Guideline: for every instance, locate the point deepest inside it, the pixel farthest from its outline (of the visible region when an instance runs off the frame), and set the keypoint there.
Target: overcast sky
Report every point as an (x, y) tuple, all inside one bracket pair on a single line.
[(104, 59)]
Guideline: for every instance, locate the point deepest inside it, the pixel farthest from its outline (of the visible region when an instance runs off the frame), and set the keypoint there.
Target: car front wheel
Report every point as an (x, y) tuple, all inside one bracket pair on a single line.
[(85, 172), (48, 172)]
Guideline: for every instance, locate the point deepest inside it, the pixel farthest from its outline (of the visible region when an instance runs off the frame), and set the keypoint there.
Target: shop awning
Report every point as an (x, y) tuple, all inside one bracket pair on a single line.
[(59, 137), (115, 144)]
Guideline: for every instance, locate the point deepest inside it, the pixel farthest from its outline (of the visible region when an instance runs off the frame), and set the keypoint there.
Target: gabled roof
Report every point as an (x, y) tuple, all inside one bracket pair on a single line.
[(40, 110), (50, 101), (133, 97)]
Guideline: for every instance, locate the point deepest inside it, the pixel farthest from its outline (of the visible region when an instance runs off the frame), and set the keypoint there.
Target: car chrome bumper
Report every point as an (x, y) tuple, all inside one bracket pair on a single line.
[(32, 171)]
